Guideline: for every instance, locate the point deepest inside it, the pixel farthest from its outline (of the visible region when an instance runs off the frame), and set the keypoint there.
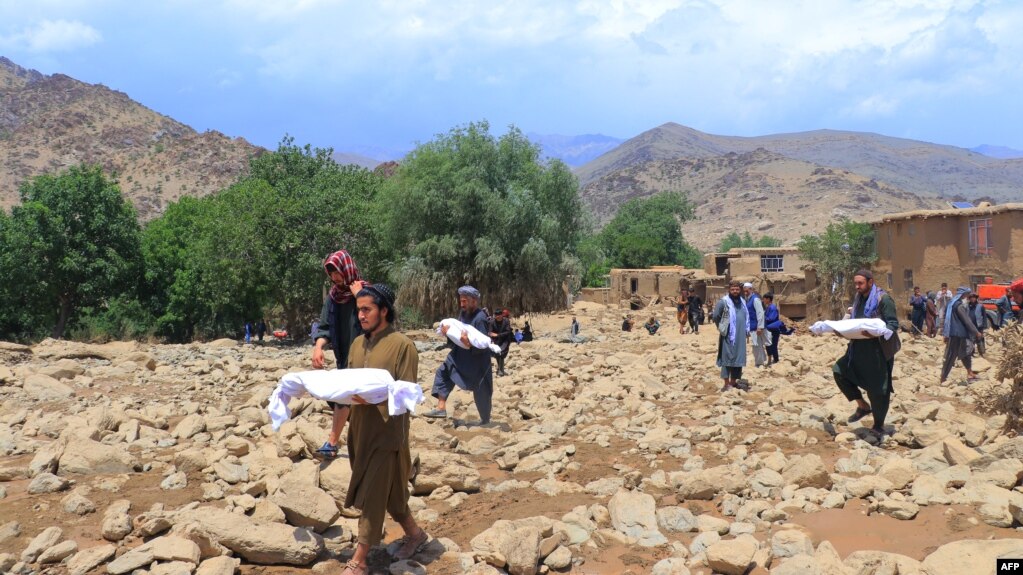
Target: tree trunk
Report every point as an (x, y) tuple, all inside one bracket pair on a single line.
[(65, 313)]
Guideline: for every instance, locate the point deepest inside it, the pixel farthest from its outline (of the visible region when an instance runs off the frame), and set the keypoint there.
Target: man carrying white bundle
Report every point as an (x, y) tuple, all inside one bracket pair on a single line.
[(378, 443), (867, 363), (466, 367)]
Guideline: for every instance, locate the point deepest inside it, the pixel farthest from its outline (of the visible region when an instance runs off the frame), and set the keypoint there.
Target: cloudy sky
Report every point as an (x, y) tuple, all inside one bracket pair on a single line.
[(357, 73)]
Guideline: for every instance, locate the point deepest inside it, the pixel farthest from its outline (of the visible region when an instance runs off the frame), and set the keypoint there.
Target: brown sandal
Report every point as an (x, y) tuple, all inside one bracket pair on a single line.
[(353, 567), (412, 545)]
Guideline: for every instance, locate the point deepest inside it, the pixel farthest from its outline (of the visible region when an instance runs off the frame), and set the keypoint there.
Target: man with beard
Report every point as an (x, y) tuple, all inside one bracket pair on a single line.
[(337, 327), (378, 443), (731, 316), (976, 312), (867, 363), (501, 335), (467, 369)]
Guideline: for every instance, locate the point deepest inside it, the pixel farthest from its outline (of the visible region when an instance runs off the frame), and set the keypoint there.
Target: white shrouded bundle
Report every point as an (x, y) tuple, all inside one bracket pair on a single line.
[(476, 339), (339, 386), (853, 328)]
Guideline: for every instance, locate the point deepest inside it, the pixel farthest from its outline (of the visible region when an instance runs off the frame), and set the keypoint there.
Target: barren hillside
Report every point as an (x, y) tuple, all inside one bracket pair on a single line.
[(761, 192), (922, 168), (51, 122)]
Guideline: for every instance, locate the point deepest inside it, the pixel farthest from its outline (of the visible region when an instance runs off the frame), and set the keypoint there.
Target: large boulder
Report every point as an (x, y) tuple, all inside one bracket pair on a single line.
[(513, 545), (88, 559), (438, 468), (732, 556), (807, 471), (45, 388), (304, 503), (635, 514), (85, 456), (971, 556), (262, 543)]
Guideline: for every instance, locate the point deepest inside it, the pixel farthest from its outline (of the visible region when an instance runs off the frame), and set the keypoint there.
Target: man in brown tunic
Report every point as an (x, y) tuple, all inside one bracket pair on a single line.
[(378, 444)]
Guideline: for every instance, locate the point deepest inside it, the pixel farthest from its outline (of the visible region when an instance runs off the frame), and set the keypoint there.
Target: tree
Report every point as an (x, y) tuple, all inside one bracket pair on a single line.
[(844, 247), (734, 240), (647, 232), (217, 262), (78, 239), (471, 208)]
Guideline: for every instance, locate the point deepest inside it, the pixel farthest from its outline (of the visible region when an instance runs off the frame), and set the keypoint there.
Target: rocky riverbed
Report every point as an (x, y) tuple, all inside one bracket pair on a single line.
[(615, 455)]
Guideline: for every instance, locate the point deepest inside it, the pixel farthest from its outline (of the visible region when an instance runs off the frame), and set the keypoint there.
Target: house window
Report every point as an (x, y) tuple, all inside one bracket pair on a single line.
[(981, 243), (889, 280), (634, 285), (772, 263), (907, 280), (976, 281)]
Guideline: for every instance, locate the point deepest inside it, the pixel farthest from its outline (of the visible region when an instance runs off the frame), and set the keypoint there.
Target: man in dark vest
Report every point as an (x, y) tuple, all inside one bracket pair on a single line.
[(501, 335), (867, 363)]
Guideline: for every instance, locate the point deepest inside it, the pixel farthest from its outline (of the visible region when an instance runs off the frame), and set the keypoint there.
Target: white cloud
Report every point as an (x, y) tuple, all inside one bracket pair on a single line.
[(52, 36)]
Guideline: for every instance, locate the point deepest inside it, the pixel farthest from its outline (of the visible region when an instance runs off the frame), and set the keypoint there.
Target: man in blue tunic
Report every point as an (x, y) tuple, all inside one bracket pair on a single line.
[(468, 369)]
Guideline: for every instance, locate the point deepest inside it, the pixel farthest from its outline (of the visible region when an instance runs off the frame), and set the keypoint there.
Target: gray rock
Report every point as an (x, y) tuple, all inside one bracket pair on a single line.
[(676, 520), (437, 468), (174, 481), (670, 566), (85, 456), (732, 557), (790, 543), (77, 504), (88, 559), (634, 514), (58, 552), (47, 483), (265, 544), (136, 558), (807, 471), (45, 388), (9, 530), (46, 539), (116, 521), (172, 568), (304, 504), (218, 566), (560, 558), (173, 548)]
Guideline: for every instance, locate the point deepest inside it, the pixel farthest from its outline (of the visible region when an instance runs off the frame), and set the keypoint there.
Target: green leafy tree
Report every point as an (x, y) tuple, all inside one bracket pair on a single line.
[(467, 207), (844, 247), (734, 240), (647, 232), (217, 262), (78, 239)]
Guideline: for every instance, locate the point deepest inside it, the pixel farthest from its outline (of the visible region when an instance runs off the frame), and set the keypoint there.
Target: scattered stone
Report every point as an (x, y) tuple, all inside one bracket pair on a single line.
[(58, 552), (634, 514), (732, 557), (88, 559), (47, 483), (46, 539)]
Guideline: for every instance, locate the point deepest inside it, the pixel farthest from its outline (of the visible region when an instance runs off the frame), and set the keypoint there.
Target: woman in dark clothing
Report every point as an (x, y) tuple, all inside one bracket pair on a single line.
[(931, 317)]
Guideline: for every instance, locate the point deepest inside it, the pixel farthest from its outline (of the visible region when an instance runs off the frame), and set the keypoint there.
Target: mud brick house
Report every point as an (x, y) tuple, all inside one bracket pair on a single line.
[(956, 246), (780, 270)]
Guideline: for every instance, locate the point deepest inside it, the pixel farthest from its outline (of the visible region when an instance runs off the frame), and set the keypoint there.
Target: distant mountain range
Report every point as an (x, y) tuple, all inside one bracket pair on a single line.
[(921, 168), (51, 122), (1000, 152), (575, 150)]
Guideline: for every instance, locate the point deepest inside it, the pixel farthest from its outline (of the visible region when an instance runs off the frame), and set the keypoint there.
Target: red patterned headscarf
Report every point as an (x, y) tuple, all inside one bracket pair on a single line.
[(342, 262)]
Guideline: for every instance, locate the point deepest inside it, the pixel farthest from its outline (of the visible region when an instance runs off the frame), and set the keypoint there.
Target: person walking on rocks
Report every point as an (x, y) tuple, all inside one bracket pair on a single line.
[(959, 331), (976, 313), (931, 315), (574, 334), (944, 296), (732, 318), (467, 369), (682, 311), (918, 305), (867, 363), (338, 327), (695, 312), (501, 334), (758, 338), (774, 326), (378, 443)]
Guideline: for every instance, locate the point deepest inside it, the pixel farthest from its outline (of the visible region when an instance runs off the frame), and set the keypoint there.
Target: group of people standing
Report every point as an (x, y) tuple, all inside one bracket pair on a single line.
[(742, 315)]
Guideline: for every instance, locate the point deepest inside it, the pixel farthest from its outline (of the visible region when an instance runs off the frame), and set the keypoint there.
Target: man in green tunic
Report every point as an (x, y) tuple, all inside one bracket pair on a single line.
[(867, 363), (378, 443)]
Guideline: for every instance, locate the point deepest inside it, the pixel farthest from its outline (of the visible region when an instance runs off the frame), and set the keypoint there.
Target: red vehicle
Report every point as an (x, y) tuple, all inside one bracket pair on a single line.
[(989, 293)]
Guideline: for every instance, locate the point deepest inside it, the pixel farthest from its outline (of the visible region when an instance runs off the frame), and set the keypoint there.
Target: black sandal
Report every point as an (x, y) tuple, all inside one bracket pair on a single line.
[(859, 414)]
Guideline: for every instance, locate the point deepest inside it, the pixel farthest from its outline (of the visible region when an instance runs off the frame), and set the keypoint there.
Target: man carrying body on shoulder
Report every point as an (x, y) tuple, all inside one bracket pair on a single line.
[(337, 327), (467, 369), (378, 443), (867, 363), (731, 316)]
